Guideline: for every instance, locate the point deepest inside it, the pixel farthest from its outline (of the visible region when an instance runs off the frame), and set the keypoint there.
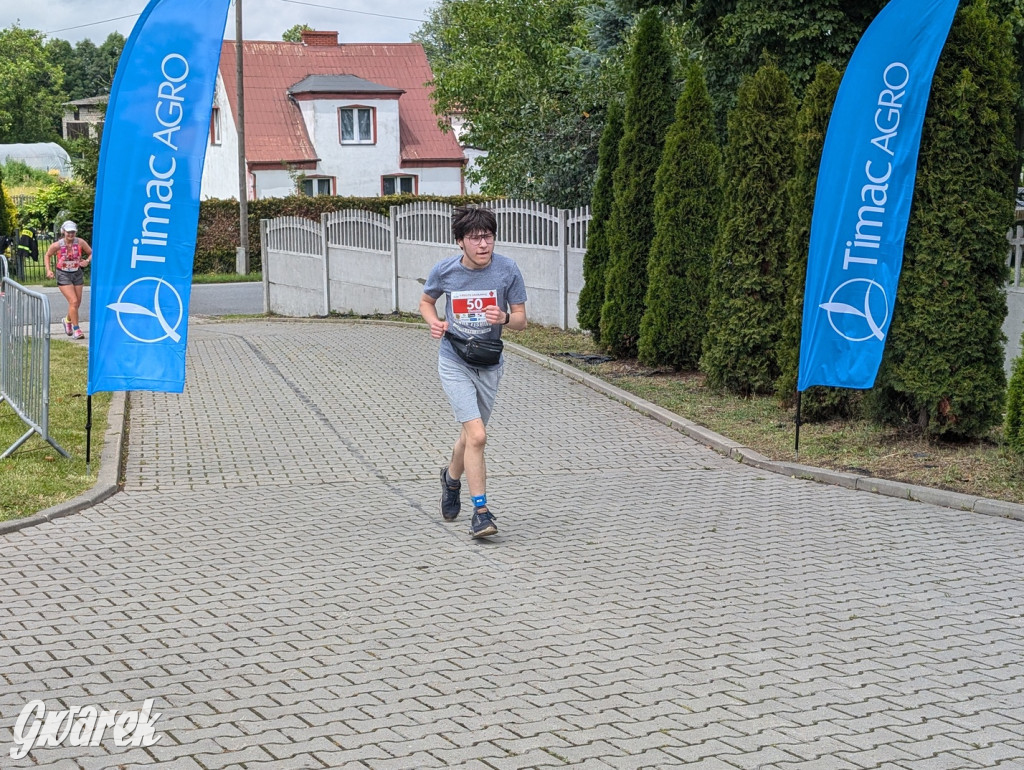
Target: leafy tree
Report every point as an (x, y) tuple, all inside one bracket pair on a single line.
[(107, 58), (30, 88), (687, 201), (88, 70), (294, 34), (507, 68), (799, 34), (818, 403), (63, 200), (6, 215), (85, 158), (1012, 12), (943, 364), (647, 116), (61, 55), (608, 25), (747, 301), (80, 71), (595, 260)]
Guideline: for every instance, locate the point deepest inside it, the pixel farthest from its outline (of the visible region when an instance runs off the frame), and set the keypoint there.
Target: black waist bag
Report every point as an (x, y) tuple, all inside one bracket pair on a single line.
[(477, 352)]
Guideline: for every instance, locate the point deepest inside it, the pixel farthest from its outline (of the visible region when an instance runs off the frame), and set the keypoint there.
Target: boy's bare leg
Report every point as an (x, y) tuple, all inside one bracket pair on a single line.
[(468, 456)]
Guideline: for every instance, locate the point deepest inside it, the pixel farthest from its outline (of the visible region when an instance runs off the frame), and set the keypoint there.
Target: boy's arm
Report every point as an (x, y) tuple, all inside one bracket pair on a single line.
[(517, 317), (428, 309)]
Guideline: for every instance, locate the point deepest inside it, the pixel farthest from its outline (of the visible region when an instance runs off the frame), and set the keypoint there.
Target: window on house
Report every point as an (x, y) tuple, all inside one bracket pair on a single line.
[(215, 133), (316, 185), (356, 125), (393, 185), (76, 130)]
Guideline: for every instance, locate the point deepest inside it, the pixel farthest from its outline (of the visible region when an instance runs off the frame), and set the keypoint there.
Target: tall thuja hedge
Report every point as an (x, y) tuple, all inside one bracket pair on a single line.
[(747, 288), (687, 199), (1013, 426), (648, 113), (588, 313), (943, 364), (818, 403)]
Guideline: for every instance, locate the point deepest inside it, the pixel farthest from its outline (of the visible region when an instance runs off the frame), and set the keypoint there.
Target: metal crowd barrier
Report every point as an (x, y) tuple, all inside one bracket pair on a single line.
[(25, 358)]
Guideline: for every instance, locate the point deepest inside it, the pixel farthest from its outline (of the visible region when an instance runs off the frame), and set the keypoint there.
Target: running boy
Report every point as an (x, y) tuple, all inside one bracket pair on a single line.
[(483, 292)]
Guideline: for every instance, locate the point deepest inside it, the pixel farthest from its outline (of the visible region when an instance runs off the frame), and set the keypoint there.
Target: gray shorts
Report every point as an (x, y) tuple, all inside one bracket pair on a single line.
[(70, 278), (471, 392)]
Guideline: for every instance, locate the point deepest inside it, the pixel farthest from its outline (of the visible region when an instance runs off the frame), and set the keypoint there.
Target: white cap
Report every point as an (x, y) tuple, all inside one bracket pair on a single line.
[(69, 227)]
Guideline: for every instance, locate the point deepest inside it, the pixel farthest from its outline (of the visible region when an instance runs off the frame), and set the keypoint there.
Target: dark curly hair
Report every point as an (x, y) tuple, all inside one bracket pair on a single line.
[(467, 220)]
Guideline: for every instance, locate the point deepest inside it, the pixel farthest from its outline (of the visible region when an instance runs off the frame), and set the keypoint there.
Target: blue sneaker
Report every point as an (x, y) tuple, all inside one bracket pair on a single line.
[(451, 502), (483, 523)]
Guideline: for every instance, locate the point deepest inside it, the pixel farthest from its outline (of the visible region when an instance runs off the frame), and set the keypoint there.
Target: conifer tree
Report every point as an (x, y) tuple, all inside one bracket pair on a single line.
[(747, 300), (819, 403), (1013, 426), (687, 200), (648, 113), (588, 313), (943, 363)]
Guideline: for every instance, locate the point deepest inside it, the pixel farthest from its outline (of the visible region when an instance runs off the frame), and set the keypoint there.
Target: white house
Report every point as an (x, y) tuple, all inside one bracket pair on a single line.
[(329, 118)]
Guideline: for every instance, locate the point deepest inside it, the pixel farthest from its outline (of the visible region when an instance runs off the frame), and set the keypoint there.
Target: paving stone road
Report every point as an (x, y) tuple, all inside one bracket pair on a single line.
[(275, 575)]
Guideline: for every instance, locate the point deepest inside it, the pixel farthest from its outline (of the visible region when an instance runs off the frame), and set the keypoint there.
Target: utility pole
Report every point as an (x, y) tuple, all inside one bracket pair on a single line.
[(242, 252)]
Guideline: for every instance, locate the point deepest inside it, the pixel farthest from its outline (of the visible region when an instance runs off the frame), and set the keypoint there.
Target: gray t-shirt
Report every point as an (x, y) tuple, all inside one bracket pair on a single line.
[(470, 292)]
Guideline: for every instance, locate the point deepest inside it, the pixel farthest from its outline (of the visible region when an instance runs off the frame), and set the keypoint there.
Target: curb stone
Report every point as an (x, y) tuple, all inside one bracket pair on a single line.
[(111, 456)]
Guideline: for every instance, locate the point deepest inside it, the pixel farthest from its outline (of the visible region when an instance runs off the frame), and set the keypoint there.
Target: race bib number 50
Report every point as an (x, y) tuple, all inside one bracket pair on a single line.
[(468, 306)]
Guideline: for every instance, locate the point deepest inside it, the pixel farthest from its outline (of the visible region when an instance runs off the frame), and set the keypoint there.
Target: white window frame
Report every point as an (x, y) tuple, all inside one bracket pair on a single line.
[(316, 184), (398, 178), (357, 126)]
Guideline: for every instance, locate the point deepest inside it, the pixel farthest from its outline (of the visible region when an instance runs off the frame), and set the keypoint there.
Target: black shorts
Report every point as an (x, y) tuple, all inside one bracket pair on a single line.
[(70, 277)]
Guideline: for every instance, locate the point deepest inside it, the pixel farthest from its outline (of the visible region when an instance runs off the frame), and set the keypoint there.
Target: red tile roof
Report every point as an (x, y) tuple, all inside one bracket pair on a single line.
[(274, 129)]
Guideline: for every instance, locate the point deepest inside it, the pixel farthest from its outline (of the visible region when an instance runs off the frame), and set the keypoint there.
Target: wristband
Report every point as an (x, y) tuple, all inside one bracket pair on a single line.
[(508, 317)]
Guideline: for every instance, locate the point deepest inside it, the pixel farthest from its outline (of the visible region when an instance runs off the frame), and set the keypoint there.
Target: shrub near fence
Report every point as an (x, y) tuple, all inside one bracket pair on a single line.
[(217, 235)]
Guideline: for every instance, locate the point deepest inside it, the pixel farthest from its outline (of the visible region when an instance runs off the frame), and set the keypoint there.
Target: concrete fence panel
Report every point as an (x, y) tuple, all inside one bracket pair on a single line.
[(364, 263), (295, 267), (423, 237), (360, 262), (1014, 323), (577, 225)]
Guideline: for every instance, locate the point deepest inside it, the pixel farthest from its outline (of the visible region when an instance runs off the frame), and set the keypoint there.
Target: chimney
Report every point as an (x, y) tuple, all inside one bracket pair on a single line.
[(319, 37)]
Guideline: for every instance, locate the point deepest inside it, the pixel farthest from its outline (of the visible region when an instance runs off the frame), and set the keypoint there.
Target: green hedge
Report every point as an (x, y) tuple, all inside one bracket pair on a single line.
[(595, 259), (747, 288), (687, 202), (217, 235), (647, 116), (944, 359)]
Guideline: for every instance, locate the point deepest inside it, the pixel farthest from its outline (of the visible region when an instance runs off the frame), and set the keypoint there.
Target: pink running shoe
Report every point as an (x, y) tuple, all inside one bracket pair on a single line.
[(68, 328), (78, 335)]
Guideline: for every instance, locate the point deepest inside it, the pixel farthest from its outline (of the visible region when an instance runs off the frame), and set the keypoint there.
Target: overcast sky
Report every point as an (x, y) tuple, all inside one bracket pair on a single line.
[(357, 21)]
